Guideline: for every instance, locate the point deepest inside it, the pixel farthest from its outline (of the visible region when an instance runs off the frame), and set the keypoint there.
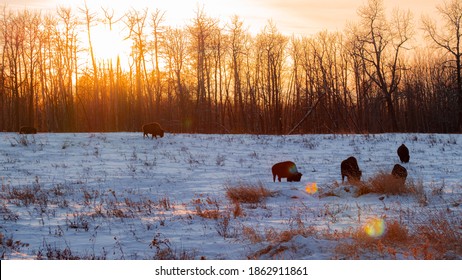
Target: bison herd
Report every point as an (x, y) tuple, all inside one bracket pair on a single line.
[(349, 168), (150, 128)]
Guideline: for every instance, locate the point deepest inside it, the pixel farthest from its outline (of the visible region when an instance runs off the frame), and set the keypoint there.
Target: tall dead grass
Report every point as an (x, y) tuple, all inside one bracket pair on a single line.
[(387, 184), (434, 236), (248, 193)]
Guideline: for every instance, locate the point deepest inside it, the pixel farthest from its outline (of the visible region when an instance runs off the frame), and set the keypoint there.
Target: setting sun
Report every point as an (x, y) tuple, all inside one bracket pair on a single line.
[(108, 44)]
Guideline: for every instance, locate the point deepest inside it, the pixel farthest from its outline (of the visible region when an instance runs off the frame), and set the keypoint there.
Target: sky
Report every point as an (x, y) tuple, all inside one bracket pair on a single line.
[(300, 17)]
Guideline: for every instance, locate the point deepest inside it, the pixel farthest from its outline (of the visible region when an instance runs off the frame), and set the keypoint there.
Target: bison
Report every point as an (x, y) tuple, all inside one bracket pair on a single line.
[(154, 129), (399, 172), (403, 153), (286, 169), (27, 130), (350, 169)]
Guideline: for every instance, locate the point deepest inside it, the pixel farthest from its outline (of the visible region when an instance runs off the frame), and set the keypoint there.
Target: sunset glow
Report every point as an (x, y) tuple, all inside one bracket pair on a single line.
[(221, 66), (291, 16)]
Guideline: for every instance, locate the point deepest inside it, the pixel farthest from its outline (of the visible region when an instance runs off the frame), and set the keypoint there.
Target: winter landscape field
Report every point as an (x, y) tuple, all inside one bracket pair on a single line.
[(199, 196)]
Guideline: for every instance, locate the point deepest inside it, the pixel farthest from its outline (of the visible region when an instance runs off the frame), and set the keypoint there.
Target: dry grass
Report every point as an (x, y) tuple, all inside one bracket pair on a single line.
[(237, 210), (436, 236), (247, 193), (383, 183), (395, 239), (208, 208), (8, 244), (444, 232), (277, 241), (251, 234)]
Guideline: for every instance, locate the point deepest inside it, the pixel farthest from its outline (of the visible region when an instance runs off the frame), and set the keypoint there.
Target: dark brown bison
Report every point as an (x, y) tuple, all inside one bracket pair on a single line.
[(27, 130), (403, 153), (350, 169), (154, 129), (399, 172), (286, 169)]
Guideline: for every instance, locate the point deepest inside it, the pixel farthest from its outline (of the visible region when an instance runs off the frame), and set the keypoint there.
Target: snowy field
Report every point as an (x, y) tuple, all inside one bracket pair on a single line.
[(119, 196)]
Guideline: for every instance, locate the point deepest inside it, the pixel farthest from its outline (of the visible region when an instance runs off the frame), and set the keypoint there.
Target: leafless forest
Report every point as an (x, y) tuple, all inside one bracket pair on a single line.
[(213, 76)]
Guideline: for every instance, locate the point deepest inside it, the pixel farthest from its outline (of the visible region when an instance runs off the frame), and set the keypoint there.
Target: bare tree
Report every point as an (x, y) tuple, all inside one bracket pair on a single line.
[(90, 19), (383, 42), (175, 53), (157, 19), (271, 54), (202, 34), (238, 39), (449, 38), (136, 24)]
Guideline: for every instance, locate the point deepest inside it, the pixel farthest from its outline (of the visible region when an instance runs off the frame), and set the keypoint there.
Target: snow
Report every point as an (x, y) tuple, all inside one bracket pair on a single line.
[(120, 196)]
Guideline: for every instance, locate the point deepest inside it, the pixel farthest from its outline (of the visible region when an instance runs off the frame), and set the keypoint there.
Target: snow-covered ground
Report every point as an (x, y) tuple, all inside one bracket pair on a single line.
[(119, 196)]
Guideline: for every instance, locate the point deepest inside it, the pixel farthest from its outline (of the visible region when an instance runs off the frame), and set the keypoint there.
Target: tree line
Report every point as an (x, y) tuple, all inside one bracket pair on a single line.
[(214, 77)]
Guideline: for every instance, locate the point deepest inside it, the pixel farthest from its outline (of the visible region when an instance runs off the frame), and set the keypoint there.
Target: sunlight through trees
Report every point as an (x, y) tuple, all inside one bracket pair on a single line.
[(86, 70)]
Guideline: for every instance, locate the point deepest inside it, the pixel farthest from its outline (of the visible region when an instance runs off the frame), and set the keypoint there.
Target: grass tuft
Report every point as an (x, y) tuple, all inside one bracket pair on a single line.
[(383, 183), (247, 193), (435, 236)]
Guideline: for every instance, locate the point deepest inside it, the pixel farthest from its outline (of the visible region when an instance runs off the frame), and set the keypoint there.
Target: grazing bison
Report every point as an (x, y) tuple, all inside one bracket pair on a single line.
[(286, 169), (350, 169), (399, 172), (403, 153), (154, 129), (27, 130)]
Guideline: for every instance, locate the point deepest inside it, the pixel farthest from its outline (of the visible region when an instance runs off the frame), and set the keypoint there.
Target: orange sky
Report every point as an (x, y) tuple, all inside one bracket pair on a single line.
[(302, 17)]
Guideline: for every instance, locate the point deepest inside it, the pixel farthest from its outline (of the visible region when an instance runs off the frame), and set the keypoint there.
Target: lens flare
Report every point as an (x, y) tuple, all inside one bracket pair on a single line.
[(293, 169), (311, 188), (375, 227)]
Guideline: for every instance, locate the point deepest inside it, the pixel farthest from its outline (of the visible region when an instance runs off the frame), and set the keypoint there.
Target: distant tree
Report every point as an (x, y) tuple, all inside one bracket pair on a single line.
[(136, 24), (96, 122), (237, 41), (175, 53), (449, 38), (270, 48), (157, 20), (382, 42), (202, 32)]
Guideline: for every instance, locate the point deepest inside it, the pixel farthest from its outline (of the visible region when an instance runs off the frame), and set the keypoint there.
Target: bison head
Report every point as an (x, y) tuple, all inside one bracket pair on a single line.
[(295, 178)]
